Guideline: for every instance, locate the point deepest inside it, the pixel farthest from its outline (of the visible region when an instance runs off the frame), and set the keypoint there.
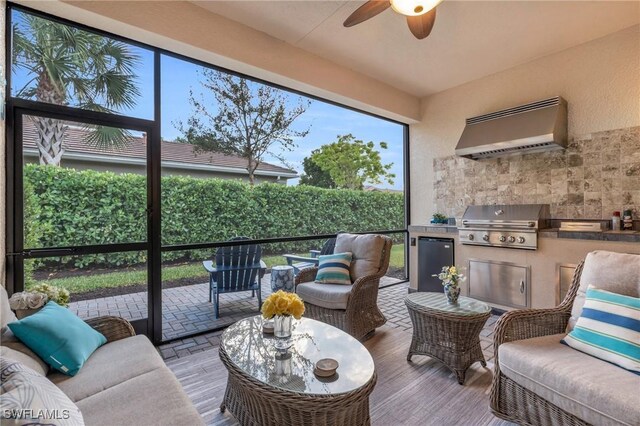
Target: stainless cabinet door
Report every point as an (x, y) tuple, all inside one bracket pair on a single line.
[(500, 283), (564, 279)]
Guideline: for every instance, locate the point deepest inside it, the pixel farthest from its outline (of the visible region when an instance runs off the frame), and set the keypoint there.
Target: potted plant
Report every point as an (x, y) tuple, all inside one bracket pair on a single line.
[(29, 302), (451, 280), (439, 218)]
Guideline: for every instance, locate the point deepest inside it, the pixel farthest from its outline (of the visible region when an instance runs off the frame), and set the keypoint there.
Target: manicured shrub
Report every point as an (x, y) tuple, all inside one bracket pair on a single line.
[(91, 207)]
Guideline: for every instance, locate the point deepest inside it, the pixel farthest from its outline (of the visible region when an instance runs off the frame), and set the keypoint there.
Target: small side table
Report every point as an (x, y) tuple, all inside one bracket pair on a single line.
[(282, 279), (446, 332)]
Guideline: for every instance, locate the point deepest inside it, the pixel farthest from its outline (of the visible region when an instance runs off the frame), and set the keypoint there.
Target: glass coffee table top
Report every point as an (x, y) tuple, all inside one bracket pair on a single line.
[(439, 302), (254, 353)]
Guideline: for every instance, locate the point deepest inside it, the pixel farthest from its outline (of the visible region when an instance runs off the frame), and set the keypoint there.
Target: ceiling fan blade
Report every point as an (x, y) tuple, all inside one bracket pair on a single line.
[(422, 25), (367, 11)]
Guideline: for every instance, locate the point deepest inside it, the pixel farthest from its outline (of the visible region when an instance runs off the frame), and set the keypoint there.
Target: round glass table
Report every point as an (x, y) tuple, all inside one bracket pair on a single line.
[(447, 332), (270, 387)]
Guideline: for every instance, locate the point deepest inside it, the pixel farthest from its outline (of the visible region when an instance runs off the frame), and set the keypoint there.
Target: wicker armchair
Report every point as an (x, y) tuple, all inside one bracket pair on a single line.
[(603, 392), (113, 328), (509, 400), (361, 315)]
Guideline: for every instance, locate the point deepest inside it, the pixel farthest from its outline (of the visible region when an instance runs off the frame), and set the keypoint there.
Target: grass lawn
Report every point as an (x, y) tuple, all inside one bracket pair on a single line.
[(81, 284)]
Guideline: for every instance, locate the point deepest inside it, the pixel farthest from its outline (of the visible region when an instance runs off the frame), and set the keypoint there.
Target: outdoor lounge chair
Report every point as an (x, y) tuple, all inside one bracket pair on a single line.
[(352, 308), (537, 380), (301, 262), (237, 268)]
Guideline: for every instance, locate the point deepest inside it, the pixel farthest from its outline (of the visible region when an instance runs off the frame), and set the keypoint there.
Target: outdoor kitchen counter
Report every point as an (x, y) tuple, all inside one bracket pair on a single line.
[(624, 236), (627, 236), (431, 228), (555, 249)]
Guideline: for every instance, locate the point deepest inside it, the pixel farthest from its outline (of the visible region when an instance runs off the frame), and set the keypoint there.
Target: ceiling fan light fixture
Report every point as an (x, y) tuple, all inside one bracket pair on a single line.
[(414, 7)]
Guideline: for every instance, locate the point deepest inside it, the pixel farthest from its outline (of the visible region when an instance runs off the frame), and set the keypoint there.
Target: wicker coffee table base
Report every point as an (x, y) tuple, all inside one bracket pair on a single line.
[(456, 362), (253, 403), (452, 339)]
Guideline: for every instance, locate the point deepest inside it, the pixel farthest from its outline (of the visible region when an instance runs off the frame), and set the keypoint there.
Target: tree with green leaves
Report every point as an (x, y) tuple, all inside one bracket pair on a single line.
[(351, 162), (313, 175), (245, 119), (68, 66)]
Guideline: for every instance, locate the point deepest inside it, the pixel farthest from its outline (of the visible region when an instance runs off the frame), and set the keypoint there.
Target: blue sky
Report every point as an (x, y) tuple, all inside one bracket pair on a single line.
[(326, 121)]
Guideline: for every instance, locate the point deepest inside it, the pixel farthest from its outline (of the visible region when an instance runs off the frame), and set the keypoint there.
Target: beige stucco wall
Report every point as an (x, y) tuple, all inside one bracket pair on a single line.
[(3, 206), (600, 80), (185, 28)]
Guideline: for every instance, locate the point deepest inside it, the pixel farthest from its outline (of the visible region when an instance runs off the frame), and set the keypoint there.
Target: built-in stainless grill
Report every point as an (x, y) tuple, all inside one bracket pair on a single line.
[(511, 226)]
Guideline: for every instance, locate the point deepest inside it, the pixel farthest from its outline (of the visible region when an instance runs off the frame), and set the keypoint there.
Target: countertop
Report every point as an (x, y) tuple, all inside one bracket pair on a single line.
[(432, 227), (627, 236)]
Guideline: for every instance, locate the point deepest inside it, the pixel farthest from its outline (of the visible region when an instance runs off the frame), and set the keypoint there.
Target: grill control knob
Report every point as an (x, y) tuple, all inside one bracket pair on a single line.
[(471, 237), (512, 239), (485, 237), (521, 240), (502, 238)]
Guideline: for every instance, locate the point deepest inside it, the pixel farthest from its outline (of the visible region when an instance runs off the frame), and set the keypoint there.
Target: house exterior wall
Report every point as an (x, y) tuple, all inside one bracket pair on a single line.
[(166, 171), (600, 81)]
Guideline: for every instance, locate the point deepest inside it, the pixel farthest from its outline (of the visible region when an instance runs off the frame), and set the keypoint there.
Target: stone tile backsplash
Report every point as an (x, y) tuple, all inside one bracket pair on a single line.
[(596, 175)]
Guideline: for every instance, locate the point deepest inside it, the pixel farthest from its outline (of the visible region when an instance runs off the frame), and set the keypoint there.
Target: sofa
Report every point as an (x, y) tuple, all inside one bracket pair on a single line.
[(125, 381), (540, 381)]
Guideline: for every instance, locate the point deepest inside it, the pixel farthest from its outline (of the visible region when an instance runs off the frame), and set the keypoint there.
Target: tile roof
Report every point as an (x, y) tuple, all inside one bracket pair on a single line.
[(136, 148)]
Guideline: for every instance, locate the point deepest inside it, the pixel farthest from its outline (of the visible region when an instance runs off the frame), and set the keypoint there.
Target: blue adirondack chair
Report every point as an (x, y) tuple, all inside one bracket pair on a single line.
[(302, 262), (237, 268)]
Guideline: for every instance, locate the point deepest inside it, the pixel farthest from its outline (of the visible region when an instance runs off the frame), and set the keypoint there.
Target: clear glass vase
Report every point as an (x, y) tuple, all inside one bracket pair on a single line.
[(282, 331)]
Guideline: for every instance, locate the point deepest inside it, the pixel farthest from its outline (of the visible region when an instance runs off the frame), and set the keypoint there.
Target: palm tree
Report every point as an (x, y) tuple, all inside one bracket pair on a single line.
[(69, 66)]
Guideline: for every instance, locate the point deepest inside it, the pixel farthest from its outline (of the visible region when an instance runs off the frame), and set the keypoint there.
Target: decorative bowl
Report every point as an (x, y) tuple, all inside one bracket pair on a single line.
[(326, 367)]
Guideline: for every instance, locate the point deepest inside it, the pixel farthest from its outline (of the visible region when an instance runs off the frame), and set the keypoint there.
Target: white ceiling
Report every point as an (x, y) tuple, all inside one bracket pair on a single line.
[(471, 39)]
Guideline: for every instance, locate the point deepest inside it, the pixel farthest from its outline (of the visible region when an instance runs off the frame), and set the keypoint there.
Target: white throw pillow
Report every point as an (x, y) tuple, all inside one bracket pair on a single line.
[(28, 398)]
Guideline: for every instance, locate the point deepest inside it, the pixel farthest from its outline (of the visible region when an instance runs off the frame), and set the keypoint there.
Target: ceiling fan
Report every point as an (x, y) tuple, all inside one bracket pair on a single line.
[(421, 14)]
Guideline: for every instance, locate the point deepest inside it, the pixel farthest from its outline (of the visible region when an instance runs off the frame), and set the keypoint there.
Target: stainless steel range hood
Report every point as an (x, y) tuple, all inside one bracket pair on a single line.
[(535, 127)]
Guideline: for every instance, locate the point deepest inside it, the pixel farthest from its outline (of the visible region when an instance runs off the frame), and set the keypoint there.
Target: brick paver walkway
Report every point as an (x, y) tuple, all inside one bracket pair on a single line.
[(390, 301), (185, 310)]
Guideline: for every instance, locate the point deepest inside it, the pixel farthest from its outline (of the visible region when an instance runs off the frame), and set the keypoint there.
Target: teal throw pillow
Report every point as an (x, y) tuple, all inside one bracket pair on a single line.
[(59, 337), (609, 329), (334, 268)]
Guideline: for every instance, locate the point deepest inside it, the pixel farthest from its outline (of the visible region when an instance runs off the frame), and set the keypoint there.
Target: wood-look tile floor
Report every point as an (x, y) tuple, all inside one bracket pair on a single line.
[(421, 392)]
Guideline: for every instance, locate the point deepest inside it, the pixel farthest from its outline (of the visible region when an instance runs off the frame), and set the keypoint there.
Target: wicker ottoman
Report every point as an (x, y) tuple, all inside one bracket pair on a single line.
[(446, 332)]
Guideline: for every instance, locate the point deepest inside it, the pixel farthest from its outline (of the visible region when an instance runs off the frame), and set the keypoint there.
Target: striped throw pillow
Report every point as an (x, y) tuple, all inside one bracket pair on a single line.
[(334, 268), (609, 329)]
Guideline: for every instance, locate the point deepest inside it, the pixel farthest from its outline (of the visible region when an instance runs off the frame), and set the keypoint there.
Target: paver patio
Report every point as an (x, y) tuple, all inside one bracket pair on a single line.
[(390, 301), (185, 310)]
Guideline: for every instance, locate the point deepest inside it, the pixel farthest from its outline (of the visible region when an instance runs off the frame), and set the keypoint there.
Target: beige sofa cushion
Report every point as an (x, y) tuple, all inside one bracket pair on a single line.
[(12, 347), (615, 272), (367, 252), (24, 357), (593, 390), (155, 398), (6, 314), (330, 296), (108, 366)]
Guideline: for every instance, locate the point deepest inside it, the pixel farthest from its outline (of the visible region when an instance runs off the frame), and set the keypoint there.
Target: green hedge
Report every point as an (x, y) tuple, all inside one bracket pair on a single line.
[(89, 207)]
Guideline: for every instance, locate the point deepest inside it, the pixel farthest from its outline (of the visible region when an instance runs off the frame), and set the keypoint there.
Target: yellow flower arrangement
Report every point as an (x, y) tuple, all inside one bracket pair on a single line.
[(283, 303)]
